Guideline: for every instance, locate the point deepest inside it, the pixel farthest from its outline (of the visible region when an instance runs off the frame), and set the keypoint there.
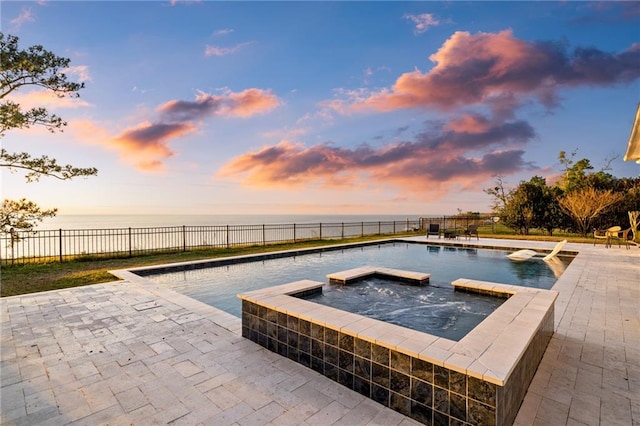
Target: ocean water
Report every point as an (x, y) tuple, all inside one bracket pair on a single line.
[(144, 221)]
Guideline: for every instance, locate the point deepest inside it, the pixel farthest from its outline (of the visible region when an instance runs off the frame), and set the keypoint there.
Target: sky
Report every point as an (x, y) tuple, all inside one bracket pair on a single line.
[(208, 107)]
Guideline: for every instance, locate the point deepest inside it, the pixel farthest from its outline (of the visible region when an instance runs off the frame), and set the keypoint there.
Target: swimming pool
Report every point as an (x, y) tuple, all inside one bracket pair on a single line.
[(218, 285)]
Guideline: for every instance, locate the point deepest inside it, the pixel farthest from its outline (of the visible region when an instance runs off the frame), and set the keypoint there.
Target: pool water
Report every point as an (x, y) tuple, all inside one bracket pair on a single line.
[(432, 309), (219, 285)]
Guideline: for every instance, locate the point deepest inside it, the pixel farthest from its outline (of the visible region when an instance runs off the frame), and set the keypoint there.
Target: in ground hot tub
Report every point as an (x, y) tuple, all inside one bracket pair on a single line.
[(480, 379), (407, 300)]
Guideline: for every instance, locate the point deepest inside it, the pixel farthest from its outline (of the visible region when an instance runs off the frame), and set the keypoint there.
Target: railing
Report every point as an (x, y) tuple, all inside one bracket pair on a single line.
[(65, 244)]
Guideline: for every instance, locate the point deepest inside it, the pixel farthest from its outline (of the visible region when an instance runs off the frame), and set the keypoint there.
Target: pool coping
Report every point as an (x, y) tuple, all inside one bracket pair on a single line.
[(489, 352), (355, 274)]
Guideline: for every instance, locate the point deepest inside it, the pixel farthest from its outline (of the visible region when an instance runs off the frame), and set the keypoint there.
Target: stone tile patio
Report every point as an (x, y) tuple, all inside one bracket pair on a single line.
[(131, 352)]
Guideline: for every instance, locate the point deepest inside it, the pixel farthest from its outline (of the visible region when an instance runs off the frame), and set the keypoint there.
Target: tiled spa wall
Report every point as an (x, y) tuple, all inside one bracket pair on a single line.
[(428, 393)]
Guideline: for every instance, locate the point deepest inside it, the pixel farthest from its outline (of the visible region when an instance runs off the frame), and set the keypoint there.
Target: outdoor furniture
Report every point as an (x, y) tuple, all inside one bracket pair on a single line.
[(606, 234), (620, 236), (451, 234), (471, 231), (434, 229), (528, 254)]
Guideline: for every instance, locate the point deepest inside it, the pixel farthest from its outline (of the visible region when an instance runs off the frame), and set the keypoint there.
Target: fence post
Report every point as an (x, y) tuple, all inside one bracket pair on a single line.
[(320, 230), (342, 231), (60, 235), (379, 228), (184, 238), (264, 237), (228, 242), (130, 244), (294, 232), (362, 229)]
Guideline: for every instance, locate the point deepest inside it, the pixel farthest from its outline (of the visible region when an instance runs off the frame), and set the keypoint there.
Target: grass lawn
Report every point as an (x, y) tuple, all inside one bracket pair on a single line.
[(35, 277)]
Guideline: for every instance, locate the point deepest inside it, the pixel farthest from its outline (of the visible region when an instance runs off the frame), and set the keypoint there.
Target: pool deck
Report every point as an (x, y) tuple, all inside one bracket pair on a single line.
[(132, 352)]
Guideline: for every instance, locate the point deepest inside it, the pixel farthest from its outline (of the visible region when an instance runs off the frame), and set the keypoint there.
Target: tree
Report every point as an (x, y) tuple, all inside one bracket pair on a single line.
[(499, 194), (22, 216), (33, 67), (531, 204), (585, 205), (552, 216), (42, 166), (577, 202), (37, 67), (574, 172), (577, 175), (521, 210)]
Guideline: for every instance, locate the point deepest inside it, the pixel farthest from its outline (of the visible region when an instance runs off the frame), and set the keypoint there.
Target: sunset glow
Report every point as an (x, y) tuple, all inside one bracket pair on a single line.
[(282, 107)]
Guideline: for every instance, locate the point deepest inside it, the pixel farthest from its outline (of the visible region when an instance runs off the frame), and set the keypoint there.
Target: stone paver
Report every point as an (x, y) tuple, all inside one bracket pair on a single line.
[(132, 352), (587, 374)]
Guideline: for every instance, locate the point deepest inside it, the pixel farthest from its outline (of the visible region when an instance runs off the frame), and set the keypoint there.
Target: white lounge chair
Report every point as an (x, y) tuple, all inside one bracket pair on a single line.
[(528, 254)]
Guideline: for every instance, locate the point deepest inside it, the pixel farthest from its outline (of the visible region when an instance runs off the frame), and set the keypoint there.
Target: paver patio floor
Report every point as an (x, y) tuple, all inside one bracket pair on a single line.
[(132, 352)]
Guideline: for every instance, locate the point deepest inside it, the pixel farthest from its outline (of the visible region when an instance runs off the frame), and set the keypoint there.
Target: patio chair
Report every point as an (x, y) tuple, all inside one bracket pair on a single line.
[(471, 231), (621, 236), (434, 229), (606, 235)]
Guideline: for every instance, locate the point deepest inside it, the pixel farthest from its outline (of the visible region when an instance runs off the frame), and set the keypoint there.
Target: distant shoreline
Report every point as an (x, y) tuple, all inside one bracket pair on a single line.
[(102, 221)]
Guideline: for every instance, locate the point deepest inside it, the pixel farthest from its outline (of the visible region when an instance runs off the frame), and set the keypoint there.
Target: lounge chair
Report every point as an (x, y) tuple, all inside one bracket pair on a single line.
[(434, 229), (471, 231), (528, 254)]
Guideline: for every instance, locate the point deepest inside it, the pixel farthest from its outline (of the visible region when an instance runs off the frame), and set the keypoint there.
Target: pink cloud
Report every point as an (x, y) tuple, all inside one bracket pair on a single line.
[(239, 104), (146, 145), (250, 102), (423, 21), (427, 166), (468, 124), (495, 69)]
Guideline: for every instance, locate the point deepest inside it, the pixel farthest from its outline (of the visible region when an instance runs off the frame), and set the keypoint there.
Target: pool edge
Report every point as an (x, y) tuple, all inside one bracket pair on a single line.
[(502, 352)]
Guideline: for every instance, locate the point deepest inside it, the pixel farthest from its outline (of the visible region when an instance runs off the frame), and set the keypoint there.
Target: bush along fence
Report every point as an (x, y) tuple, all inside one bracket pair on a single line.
[(66, 244)]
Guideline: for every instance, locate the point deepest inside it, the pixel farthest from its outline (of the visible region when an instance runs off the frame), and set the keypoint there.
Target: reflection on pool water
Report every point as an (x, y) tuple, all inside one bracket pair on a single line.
[(219, 285), (431, 309)]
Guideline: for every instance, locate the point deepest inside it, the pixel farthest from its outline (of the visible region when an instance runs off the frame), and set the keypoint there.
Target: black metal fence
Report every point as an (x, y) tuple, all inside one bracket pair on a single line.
[(65, 244), (62, 244)]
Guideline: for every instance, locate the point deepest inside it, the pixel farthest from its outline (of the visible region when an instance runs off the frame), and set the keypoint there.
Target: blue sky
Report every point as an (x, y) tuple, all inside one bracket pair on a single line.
[(324, 107)]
